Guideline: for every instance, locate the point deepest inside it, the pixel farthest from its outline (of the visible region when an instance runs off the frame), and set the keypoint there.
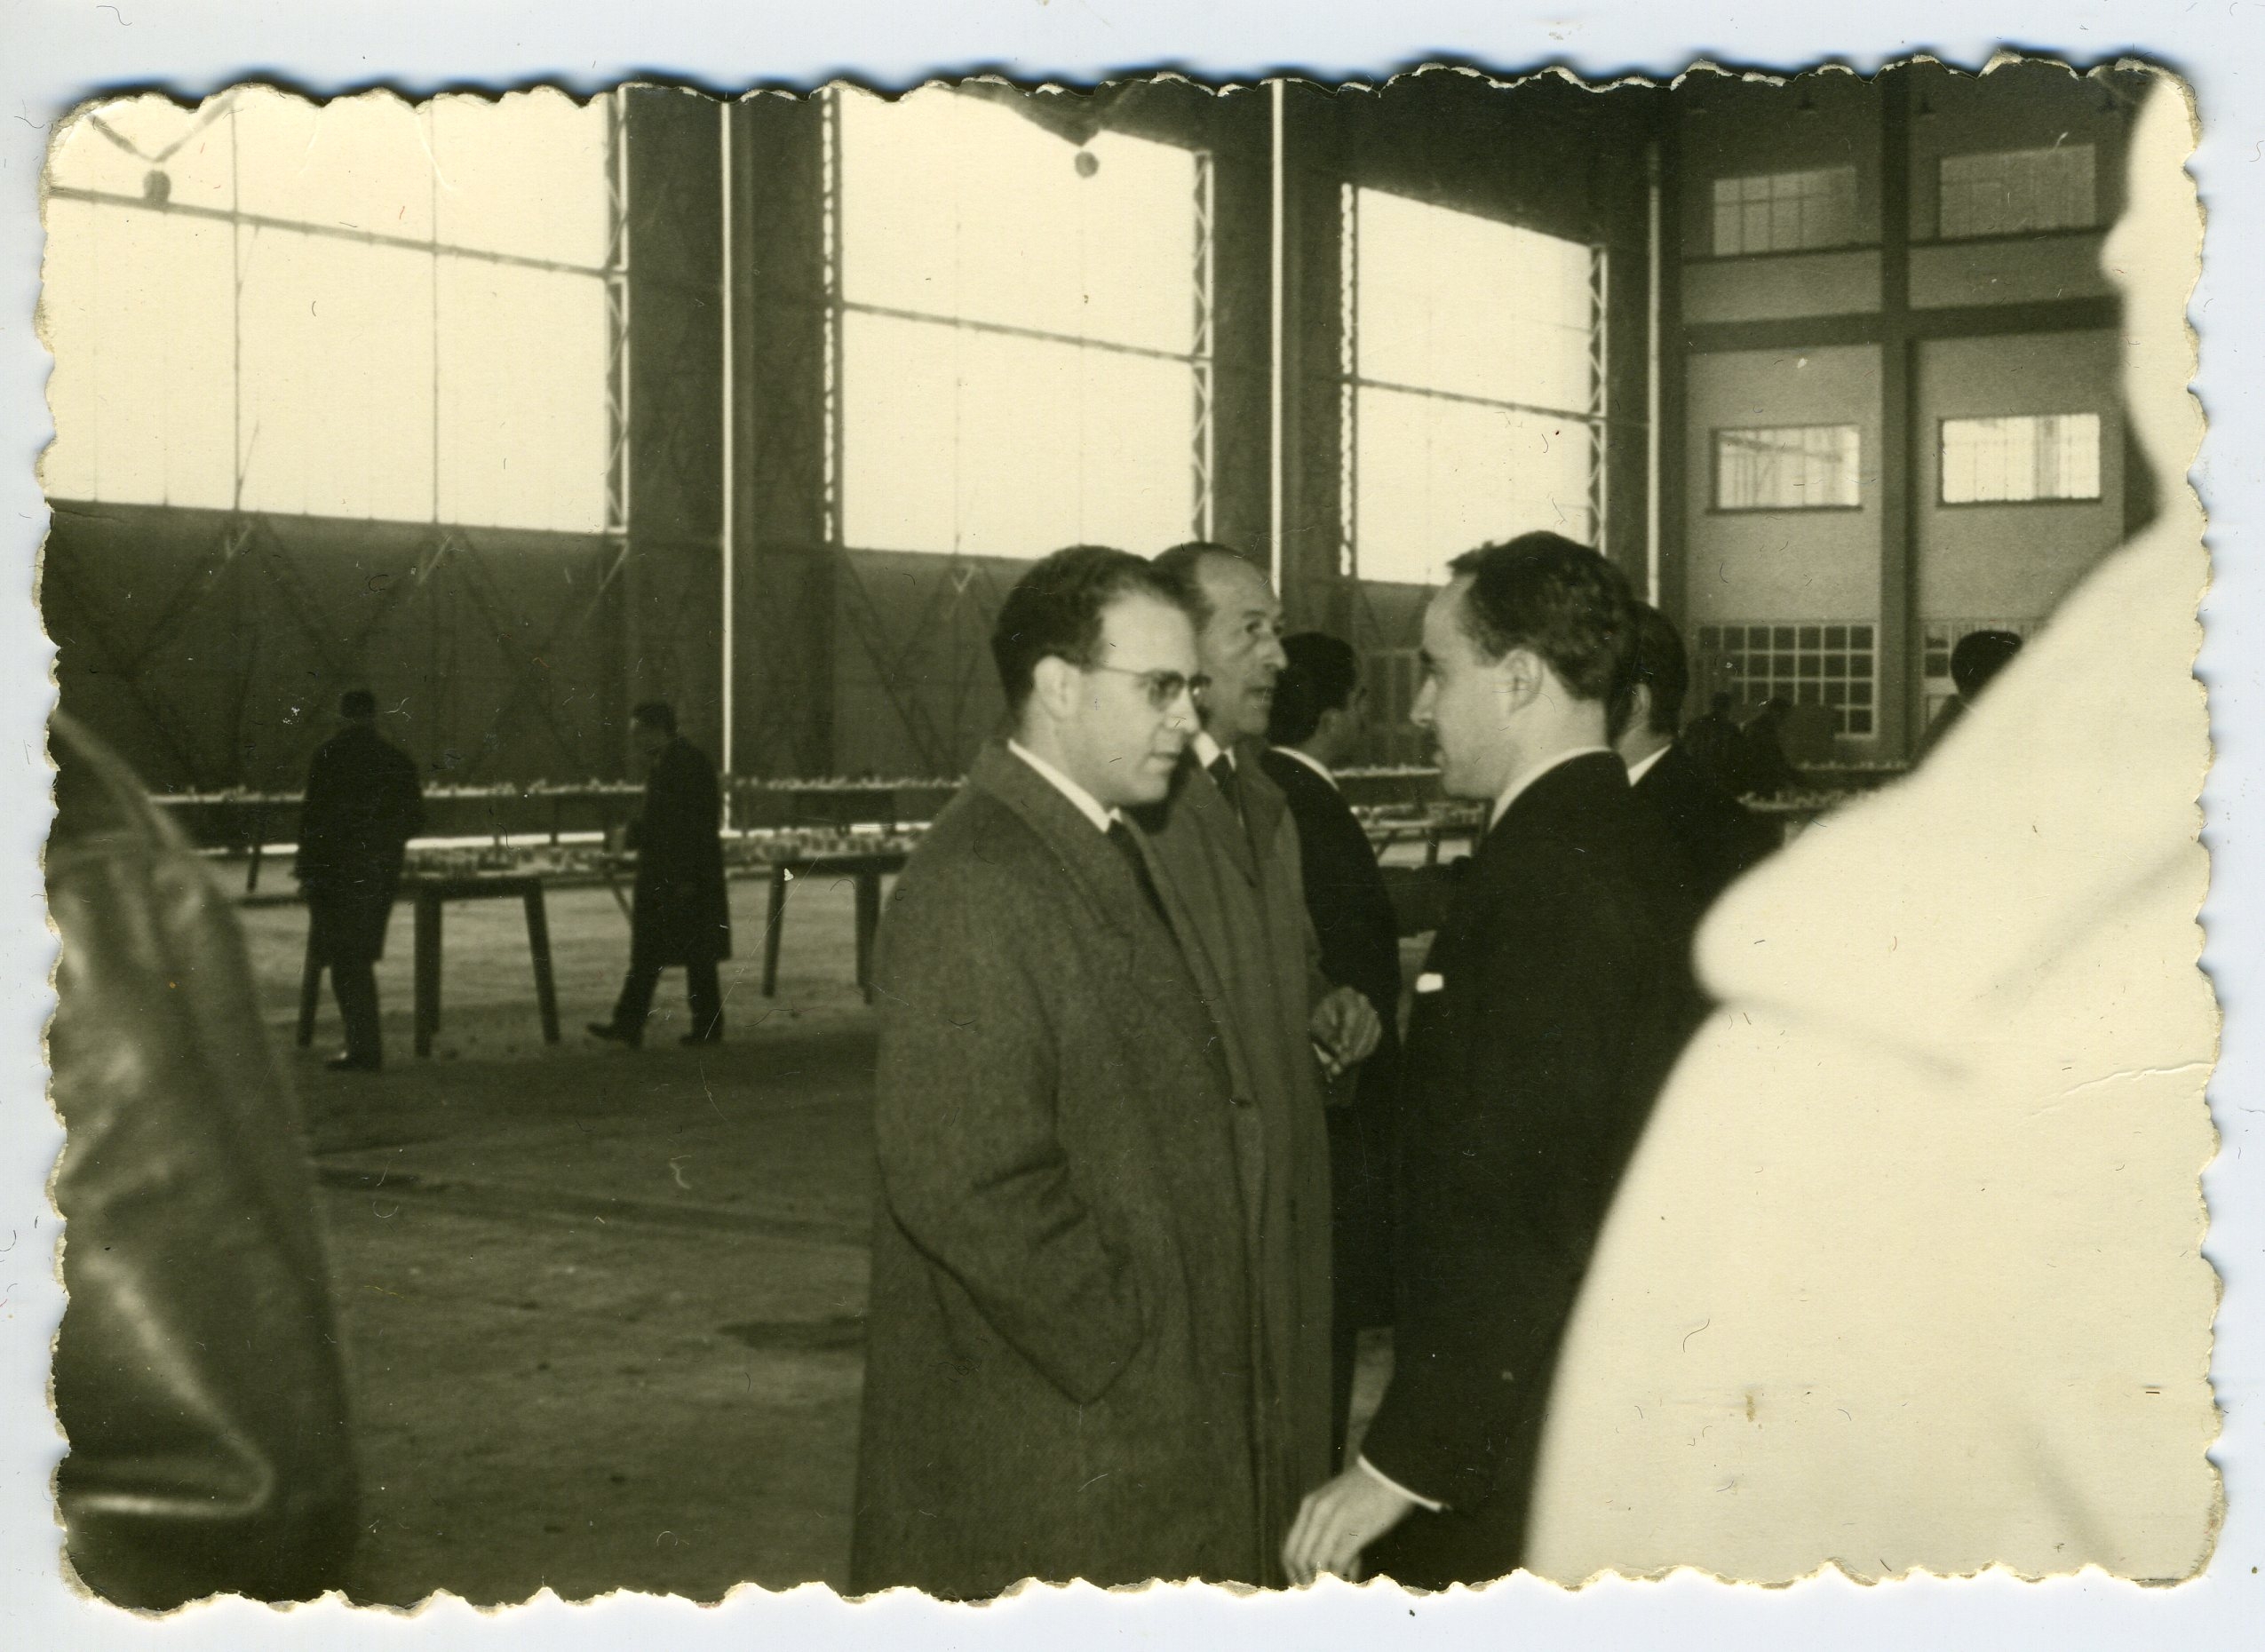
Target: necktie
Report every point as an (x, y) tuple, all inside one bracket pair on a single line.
[(1223, 776), (1121, 835)]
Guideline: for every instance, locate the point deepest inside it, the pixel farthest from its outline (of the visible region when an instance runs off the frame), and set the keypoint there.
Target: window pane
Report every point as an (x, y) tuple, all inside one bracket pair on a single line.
[(963, 440), (2014, 460), (524, 176), (2018, 191), (1451, 301), (338, 377), (333, 385), (114, 148), (136, 304), (952, 206), (356, 164), (1799, 467), (1436, 478), (1786, 212), (522, 431)]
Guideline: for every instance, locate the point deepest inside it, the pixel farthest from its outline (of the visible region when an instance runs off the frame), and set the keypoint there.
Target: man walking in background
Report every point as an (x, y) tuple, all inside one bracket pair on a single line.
[(1315, 725), (682, 915), (1064, 1312), (1231, 873), (1547, 1012), (362, 807)]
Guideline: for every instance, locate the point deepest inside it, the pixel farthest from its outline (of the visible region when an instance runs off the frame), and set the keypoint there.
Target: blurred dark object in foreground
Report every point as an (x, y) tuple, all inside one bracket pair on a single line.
[(197, 1372)]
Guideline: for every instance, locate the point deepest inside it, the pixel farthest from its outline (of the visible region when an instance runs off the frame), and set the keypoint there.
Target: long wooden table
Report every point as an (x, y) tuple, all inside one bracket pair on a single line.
[(428, 898), (868, 868)]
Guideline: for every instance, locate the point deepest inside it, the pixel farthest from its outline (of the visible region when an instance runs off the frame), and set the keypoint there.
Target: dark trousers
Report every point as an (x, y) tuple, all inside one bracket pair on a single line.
[(700, 984), (354, 980)]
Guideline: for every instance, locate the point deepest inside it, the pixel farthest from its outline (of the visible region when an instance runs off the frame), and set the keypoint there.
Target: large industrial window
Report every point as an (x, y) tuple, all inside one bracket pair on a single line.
[(1834, 666), (1473, 370), (1786, 211), (1024, 351), (2019, 191), (358, 309), (1796, 467), (1988, 461)]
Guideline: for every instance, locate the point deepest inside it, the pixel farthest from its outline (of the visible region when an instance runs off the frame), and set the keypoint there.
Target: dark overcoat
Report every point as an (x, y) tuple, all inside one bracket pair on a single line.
[(1718, 839), (1058, 1380), (683, 911), (362, 807), (1240, 893), (1552, 1004)]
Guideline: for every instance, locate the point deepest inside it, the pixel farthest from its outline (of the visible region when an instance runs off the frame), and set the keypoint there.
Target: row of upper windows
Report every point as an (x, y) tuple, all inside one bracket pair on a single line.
[(2011, 192), (2029, 458)]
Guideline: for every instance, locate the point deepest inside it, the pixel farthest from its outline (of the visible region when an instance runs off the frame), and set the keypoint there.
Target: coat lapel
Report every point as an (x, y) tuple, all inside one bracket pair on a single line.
[(1145, 956)]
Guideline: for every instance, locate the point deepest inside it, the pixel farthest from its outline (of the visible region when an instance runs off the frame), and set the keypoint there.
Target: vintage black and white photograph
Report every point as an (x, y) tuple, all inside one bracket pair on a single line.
[(1242, 832)]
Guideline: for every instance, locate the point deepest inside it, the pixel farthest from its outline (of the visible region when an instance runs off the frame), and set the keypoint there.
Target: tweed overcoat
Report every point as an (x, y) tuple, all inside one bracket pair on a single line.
[(1058, 1380), (1237, 885)]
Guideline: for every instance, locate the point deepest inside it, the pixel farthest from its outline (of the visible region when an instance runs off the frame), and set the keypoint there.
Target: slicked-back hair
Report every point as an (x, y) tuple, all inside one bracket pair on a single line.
[(656, 714), (1321, 676), (1658, 664), (1183, 565), (1055, 610), (1560, 600)]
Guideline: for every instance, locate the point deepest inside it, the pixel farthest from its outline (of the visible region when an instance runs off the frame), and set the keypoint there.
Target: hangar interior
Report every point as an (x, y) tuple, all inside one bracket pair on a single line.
[(520, 412)]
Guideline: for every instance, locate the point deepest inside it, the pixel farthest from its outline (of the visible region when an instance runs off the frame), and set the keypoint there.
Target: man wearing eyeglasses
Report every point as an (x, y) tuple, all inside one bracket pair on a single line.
[(1064, 1318), (1231, 870)]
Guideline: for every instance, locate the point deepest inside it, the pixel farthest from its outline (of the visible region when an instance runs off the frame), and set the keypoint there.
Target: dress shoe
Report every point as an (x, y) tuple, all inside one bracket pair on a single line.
[(612, 1034), (353, 1063)]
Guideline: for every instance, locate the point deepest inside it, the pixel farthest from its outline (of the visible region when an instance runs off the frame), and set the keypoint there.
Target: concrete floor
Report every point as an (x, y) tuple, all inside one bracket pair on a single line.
[(603, 1311)]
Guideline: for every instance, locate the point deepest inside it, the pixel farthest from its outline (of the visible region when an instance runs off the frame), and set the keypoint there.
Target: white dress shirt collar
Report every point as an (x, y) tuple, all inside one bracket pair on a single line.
[(1087, 804), (1510, 793), (1314, 764), (1209, 752), (1642, 766)]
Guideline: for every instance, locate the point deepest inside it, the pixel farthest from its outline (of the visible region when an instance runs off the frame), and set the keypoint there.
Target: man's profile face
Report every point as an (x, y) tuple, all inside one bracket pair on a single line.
[(1120, 744), (1463, 702), (1242, 648)]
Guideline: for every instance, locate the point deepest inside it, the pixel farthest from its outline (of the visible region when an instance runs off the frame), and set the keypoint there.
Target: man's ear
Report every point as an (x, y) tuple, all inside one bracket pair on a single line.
[(1522, 677), (1054, 686)]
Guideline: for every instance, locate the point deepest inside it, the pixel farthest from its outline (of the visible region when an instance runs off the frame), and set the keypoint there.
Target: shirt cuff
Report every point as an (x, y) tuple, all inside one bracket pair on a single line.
[(1390, 1484)]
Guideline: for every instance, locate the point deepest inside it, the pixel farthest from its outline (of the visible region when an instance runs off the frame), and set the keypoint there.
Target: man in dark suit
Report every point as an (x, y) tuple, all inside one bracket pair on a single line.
[(682, 915), (362, 807), (1718, 840), (1315, 725), (1547, 1012), (1064, 1327)]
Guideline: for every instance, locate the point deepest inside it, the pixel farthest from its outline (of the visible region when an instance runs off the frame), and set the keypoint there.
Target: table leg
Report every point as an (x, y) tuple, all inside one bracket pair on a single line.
[(310, 991), (774, 920), (428, 971), (869, 920), (538, 943)]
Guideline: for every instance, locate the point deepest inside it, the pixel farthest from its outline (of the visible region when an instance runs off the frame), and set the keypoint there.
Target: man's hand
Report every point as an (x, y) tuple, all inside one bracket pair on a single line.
[(1335, 1523), (1344, 1026)]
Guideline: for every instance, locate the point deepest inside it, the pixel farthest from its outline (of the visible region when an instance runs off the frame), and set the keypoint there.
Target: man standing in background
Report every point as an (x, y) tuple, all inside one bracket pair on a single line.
[(363, 805), (1718, 840), (1228, 851), (1316, 724), (682, 913)]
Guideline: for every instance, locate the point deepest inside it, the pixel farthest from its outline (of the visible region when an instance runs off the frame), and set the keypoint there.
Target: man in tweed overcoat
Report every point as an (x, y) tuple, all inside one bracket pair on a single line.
[(1059, 1381)]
